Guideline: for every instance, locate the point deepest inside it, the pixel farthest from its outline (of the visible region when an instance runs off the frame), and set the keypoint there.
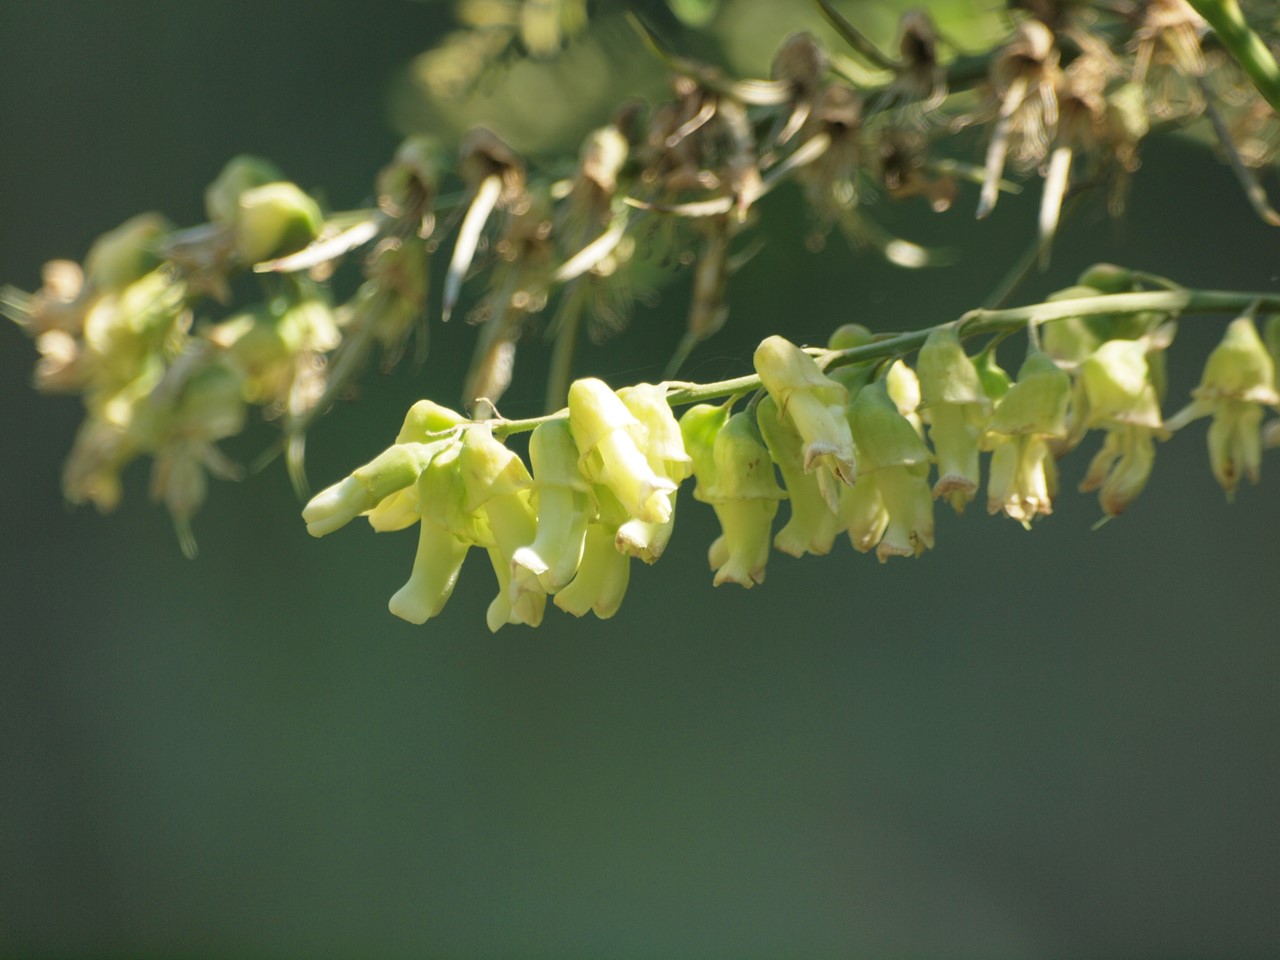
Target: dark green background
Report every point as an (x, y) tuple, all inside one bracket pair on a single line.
[(1060, 744)]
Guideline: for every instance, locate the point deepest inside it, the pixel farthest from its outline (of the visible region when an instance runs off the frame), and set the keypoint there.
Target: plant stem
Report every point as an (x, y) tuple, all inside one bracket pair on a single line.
[(971, 324), (1244, 45)]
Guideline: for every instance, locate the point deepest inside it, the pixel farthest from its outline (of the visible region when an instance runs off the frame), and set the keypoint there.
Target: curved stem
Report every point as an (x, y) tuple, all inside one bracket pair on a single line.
[(971, 324)]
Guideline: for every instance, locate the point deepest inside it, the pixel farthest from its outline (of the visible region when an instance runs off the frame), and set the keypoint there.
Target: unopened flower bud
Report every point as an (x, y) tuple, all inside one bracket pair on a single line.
[(1107, 278), (993, 377), (273, 220), (222, 197), (848, 336), (127, 253)]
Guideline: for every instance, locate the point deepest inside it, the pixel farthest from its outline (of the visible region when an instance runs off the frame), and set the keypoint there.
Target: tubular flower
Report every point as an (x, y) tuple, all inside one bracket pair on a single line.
[(956, 409), (440, 552), (892, 451), (740, 553), (496, 485), (1120, 398), (1239, 379), (424, 422), (395, 468), (603, 575), (745, 496), (562, 499), (815, 406), (658, 436), (606, 434), (1023, 478), (812, 526)]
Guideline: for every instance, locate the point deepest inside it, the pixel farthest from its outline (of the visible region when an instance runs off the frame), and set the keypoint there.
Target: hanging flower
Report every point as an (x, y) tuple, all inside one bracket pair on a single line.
[(815, 406), (1239, 379)]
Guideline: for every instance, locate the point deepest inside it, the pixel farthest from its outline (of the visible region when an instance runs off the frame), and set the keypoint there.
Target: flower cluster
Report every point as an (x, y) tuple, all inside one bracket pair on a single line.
[(851, 437), (145, 333)]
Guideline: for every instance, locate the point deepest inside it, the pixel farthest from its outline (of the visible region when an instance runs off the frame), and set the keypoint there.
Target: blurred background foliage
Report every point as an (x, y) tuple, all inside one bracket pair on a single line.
[(1046, 745)]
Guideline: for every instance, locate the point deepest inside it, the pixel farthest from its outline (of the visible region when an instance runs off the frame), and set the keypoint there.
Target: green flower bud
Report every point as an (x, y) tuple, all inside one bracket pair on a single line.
[(1036, 405), (222, 197), (995, 381), (435, 572), (273, 220), (849, 336), (605, 433), (1107, 278), (394, 469), (815, 405), (812, 526), (127, 253), (562, 502)]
